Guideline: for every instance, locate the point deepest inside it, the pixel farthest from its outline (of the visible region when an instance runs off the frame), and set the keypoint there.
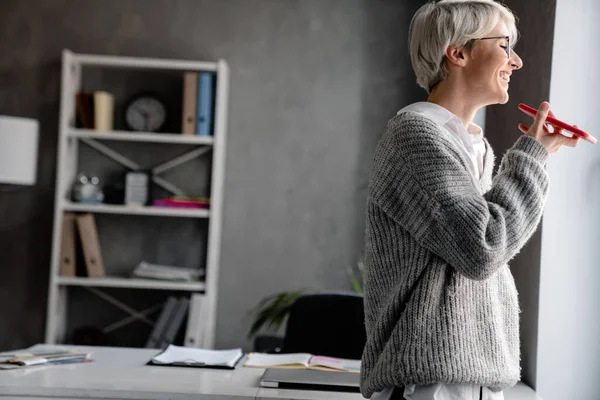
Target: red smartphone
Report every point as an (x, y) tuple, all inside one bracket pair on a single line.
[(558, 123)]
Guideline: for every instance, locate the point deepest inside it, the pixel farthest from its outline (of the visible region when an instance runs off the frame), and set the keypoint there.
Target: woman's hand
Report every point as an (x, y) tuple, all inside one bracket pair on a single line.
[(538, 130)]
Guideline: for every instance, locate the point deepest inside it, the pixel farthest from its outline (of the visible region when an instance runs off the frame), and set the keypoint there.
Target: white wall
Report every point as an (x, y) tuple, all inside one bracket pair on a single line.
[(479, 118), (568, 356)]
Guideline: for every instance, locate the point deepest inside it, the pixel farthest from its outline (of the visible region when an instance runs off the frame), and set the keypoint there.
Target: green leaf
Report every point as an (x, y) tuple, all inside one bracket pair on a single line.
[(272, 310)]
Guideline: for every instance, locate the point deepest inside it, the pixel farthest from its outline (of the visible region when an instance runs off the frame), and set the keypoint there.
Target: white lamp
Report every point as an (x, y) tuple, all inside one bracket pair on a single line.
[(18, 150)]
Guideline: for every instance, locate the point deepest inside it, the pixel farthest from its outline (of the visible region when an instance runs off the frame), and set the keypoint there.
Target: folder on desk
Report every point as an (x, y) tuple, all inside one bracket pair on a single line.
[(189, 357)]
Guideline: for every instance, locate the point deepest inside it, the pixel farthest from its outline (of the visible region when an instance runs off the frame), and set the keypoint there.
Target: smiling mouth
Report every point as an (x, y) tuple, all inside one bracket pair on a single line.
[(505, 76)]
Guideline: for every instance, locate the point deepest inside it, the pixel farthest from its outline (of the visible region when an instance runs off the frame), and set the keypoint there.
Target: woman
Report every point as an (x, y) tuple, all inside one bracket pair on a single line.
[(441, 308)]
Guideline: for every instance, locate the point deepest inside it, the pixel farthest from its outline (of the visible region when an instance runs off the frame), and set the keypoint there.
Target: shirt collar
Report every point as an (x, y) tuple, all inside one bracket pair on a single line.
[(442, 116)]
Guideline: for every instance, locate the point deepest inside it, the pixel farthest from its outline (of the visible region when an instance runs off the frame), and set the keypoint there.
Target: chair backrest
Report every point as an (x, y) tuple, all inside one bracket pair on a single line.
[(327, 324)]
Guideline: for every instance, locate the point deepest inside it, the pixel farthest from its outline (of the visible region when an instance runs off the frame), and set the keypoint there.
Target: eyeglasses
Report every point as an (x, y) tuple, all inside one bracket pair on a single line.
[(508, 48)]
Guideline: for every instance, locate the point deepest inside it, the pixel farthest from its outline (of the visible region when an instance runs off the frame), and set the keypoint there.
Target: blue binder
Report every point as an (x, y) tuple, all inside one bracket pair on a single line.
[(205, 103)]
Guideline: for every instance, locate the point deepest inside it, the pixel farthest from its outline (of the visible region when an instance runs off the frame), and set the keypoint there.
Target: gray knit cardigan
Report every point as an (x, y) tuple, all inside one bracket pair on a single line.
[(440, 301)]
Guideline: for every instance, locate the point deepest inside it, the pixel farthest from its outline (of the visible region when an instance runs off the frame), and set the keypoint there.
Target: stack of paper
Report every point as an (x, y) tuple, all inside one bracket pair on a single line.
[(186, 356), (167, 273), (24, 360)]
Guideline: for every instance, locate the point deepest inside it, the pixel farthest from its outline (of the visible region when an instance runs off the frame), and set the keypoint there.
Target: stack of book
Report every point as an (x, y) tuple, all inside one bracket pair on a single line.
[(183, 202), (166, 272), (198, 103)]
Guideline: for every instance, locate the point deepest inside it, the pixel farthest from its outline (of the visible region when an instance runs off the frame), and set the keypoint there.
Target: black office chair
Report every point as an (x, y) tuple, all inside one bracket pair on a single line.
[(327, 324)]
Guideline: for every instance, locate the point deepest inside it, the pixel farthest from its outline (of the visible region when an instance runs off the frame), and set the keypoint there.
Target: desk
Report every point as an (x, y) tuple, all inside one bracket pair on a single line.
[(122, 373)]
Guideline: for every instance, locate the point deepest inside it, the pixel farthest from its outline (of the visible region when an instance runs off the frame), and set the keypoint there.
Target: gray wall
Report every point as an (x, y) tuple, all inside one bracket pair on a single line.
[(530, 85), (313, 83), (569, 321)]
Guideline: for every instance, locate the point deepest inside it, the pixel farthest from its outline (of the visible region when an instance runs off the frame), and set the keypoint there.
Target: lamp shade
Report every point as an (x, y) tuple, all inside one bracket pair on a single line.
[(18, 150)]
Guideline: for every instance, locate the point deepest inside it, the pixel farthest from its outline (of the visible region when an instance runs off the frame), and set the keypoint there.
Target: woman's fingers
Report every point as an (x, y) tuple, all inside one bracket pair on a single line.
[(570, 142), (523, 128)]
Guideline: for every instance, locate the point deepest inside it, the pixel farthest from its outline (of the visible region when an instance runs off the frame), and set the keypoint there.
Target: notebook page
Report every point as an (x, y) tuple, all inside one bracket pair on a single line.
[(262, 360), (340, 364)]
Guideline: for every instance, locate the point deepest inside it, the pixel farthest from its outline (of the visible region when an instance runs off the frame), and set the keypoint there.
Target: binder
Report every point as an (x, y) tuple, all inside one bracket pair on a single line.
[(155, 338), (67, 251), (205, 106), (175, 322), (91, 246), (194, 332), (190, 88)]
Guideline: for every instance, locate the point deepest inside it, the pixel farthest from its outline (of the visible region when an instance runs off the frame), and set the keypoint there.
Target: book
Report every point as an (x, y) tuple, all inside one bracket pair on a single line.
[(190, 88), (160, 325), (205, 103), (302, 361), (23, 360), (85, 110), (190, 357)]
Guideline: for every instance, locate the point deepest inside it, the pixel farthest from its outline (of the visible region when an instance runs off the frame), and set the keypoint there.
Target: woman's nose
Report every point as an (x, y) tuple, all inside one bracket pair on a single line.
[(515, 61)]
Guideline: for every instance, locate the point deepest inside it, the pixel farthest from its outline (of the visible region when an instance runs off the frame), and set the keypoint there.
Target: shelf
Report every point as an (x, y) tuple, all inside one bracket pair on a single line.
[(131, 283), (138, 210), (135, 62), (148, 137)]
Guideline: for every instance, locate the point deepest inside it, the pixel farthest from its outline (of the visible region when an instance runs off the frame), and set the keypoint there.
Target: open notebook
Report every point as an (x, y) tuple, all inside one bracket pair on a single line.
[(302, 360), (192, 357)]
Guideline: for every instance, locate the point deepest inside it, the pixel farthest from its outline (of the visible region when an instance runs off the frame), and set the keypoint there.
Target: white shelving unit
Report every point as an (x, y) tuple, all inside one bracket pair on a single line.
[(68, 147)]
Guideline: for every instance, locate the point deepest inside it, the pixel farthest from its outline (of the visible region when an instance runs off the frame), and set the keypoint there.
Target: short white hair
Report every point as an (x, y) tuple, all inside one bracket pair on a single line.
[(438, 24)]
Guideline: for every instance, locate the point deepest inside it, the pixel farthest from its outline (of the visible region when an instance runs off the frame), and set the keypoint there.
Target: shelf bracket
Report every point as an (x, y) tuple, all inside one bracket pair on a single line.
[(119, 304), (159, 169), (132, 318), (127, 163)]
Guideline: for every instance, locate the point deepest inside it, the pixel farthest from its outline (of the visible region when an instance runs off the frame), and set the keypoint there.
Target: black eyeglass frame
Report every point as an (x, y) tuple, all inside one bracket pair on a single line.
[(508, 48)]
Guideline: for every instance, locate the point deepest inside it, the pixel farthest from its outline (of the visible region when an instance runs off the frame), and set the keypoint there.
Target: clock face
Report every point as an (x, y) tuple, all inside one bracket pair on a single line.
[(145, 113)]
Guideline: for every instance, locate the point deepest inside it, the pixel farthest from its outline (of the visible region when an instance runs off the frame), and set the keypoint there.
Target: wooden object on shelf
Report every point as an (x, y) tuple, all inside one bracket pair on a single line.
[(103, 111), (190, 86), (91, 245), (67, 253)]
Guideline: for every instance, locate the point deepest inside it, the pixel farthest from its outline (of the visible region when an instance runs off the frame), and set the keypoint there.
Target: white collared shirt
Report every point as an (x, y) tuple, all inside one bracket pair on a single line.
[(470, 140)]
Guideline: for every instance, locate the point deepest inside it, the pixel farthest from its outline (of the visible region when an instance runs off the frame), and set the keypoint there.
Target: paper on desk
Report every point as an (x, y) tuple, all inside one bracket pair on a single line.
[(199, 357)]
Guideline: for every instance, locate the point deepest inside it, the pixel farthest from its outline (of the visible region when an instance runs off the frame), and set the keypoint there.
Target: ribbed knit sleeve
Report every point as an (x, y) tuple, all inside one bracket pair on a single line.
[(420, 180)]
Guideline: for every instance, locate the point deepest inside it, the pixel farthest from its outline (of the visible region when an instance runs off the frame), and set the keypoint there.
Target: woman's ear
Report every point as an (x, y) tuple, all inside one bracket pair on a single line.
[(455, 55)]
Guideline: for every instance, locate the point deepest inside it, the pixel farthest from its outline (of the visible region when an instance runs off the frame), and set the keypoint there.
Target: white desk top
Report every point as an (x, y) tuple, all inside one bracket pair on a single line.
[(122, 373)]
